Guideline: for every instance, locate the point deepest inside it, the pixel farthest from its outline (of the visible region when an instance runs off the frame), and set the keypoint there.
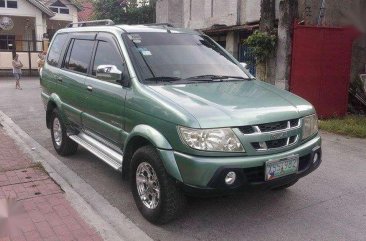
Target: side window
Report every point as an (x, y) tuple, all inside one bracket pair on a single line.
[(107, 54), (56, 48), (79, 57)]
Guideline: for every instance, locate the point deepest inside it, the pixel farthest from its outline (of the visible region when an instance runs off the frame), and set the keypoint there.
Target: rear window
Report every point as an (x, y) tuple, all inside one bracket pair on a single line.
[(56, 48), (79, 57)]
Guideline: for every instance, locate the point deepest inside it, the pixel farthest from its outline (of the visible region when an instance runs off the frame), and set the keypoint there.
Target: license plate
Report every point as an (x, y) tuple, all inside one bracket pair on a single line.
[(276, 168)]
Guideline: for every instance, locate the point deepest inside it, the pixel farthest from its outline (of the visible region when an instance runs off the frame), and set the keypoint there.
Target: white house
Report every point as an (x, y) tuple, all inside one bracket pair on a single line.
[(24, 23)]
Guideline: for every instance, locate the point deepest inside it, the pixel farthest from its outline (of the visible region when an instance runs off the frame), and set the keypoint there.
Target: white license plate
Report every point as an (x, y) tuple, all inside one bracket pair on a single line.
[(276, 168)]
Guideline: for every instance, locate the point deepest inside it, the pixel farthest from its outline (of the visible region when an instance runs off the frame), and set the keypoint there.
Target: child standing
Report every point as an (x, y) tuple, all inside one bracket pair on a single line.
[(17, 71)]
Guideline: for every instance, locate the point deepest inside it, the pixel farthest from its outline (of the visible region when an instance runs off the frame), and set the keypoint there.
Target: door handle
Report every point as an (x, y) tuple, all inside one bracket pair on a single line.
[(90, 88), (59, 79)]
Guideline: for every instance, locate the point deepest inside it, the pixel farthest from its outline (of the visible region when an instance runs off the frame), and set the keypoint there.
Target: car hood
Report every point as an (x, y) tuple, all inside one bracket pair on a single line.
[(237, 103)]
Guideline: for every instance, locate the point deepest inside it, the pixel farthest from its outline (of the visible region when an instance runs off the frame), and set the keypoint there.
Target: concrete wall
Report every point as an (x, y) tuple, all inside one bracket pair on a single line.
[(203, 14)]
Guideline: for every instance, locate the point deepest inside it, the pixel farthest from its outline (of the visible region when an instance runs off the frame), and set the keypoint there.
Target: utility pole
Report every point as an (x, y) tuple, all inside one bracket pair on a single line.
[(266, 70), (287, 15)]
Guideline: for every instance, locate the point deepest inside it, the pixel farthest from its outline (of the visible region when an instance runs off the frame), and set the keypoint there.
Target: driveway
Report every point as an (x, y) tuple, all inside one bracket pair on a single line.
[(329, 204)]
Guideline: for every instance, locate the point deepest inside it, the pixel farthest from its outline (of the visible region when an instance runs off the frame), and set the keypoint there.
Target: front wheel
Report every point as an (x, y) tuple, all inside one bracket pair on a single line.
[(156, 196)]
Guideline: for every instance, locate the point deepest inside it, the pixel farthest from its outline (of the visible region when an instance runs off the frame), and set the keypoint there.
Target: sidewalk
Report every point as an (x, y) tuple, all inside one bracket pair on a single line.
[(32, 205)]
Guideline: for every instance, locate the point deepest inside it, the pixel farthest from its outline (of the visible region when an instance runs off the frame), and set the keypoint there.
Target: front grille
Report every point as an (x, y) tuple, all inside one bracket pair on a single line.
[(268, 127), (272, 144), (276, 143), (246, 129), (274, 126)]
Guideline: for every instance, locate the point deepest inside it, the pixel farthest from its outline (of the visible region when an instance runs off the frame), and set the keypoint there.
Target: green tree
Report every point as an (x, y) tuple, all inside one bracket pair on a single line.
[(126, 11)]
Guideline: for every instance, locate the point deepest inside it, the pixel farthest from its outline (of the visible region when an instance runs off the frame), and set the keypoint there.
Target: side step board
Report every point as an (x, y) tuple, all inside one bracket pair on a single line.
[(108, 155)]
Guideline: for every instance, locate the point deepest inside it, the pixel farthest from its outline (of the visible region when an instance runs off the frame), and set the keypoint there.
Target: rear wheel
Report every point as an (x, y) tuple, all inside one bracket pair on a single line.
[(63, 145), (156, 196)]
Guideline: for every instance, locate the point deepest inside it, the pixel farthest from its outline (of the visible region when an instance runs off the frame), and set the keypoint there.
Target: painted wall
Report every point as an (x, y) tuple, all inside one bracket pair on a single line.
[(199, 14)]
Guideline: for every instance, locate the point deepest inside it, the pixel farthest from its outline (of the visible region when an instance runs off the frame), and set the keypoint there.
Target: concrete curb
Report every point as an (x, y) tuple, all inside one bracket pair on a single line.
[(94, 208)]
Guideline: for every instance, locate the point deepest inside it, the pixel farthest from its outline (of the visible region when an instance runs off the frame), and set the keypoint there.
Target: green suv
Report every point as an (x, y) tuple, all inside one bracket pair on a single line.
[(174, 112)]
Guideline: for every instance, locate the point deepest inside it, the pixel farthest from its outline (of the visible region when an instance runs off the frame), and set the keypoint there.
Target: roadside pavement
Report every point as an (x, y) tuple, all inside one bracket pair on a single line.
[(32, 206)]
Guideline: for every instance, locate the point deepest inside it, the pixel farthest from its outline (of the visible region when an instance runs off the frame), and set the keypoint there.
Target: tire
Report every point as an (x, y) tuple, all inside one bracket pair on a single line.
[(63, 145), (170, 202), (284, 186)]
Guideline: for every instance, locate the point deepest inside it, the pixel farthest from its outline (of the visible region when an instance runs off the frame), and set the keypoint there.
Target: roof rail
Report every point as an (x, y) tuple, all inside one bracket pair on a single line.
[(161, 24), (90, 23)]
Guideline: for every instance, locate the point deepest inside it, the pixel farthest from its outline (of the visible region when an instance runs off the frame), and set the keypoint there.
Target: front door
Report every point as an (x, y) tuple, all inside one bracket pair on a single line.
[(105, 99)]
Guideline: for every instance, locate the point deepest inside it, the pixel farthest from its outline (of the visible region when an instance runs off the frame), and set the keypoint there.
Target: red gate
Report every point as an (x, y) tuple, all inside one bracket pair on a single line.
[(320, 69)]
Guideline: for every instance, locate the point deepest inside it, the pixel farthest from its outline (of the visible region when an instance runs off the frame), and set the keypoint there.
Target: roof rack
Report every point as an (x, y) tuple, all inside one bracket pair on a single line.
[(91, 23), (161, 24)]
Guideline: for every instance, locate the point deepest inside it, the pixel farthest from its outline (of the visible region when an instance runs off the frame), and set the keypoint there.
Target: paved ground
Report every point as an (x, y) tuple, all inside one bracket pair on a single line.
[(329, 204), (32, 205)]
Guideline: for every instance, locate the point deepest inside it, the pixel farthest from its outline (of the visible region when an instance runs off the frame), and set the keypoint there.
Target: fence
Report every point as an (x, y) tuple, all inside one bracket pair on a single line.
[(26, 49)]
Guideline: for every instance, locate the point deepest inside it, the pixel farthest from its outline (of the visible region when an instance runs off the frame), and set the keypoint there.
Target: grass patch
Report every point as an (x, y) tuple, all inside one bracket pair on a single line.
[(350, 125)]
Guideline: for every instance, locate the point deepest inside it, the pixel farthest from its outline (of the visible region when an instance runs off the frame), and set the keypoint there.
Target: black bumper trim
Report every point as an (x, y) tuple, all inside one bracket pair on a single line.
[(217, 186)]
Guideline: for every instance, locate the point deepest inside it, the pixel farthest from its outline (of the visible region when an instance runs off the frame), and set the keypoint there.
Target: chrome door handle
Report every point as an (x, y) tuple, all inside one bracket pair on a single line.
[(59, 79), (90, 88)]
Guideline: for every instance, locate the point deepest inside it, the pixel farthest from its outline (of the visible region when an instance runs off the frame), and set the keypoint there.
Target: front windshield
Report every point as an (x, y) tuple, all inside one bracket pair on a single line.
[(181, 56)]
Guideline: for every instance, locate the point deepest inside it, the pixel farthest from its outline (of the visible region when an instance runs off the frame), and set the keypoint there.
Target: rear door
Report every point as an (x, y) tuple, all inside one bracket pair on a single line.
[(104, 110), (74, 70)]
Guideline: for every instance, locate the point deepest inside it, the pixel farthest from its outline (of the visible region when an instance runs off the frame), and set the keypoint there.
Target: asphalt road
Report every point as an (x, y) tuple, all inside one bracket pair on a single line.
[(329, 204)]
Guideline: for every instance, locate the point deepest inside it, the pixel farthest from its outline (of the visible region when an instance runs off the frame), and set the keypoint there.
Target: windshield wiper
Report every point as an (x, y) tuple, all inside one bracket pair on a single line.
[(214, 77), (163, 79)]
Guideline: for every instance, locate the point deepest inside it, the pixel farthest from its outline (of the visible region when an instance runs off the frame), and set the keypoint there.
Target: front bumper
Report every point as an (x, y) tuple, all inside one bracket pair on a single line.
[(206, 174)]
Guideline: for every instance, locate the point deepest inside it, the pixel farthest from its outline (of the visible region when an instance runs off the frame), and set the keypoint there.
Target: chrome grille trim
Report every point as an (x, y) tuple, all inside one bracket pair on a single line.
[(265, 140)]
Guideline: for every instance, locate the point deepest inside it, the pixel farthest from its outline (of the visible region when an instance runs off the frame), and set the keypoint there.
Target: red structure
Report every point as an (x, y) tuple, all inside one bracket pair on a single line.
[(320, 69)]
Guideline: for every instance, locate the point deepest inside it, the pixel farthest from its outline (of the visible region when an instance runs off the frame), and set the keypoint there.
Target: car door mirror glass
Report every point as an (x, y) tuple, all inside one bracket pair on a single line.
[(109, 73)]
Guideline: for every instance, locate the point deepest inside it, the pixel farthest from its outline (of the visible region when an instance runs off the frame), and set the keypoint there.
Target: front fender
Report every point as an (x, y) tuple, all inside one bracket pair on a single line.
[(150, 134), (162, 145)]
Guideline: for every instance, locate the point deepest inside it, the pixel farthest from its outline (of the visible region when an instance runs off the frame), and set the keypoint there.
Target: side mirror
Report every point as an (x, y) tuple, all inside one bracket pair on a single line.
[(109, 73)]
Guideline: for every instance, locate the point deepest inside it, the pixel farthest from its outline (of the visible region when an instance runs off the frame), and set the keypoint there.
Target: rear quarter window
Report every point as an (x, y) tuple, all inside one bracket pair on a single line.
[(56, 49)]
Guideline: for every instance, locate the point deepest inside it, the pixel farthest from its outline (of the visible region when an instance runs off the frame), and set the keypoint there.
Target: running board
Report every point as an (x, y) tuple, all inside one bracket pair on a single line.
[(108, 155)]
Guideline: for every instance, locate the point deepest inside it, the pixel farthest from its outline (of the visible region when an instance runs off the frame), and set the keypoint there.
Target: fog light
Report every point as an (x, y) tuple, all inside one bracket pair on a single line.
[(315, 158), (230, 178)]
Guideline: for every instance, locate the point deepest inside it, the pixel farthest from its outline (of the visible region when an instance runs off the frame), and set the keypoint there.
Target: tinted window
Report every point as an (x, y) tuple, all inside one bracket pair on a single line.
[(2, 3), (107, 54), (80, 55), (56, 48)]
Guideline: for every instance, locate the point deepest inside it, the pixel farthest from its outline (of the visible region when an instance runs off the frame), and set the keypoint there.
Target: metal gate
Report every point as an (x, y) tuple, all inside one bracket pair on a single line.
[(320, 68), (246, 56)]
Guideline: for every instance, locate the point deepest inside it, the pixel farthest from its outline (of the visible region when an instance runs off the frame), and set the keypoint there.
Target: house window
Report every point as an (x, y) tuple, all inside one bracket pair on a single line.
[(59, 7), (8, 4), (7, 42)]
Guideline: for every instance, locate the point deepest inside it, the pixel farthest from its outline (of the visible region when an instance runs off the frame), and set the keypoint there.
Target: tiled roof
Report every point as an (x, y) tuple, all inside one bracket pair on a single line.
[(41, 6), (87, 12)]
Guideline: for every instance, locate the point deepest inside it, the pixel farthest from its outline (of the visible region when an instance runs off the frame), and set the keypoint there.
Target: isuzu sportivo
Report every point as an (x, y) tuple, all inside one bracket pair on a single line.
[(174, 112)]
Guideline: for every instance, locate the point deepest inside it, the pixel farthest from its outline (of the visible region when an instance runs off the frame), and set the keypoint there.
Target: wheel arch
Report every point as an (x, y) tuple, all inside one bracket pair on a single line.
[(53, 102), (143, 135)]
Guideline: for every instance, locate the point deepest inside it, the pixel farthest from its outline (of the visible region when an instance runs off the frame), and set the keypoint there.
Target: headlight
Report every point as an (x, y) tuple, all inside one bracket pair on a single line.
[(211, 139), (310, 126)]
